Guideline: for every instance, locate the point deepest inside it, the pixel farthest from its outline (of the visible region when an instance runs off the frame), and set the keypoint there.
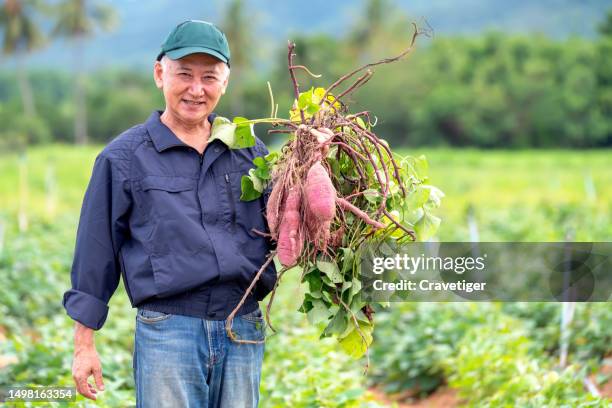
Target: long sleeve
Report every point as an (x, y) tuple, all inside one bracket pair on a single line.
[(103, 227)]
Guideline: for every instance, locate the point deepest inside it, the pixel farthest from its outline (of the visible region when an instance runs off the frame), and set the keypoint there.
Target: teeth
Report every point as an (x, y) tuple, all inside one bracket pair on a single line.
[(194, 103)]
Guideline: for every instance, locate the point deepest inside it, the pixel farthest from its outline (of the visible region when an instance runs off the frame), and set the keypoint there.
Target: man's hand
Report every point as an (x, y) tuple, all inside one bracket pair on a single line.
[(86, 362)]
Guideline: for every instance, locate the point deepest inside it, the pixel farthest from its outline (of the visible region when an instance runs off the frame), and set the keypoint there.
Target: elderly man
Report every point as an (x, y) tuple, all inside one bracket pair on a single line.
[(163, 210)]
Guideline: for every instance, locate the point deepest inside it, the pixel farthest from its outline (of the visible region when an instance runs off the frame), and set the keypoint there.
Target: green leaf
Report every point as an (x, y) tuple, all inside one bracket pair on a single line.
[(306, 303), (318, 313), (244, 136), (346, 285), (354, 345), (418, 198), (331, 270), (317, 94), (372, 195), (427, 226), (435, 196), (361, 123), (262, 174), (271, 158), (347, 259), (421, 166), (248, 190), (305, 99), (326, 296), (356, 287), (417, 166), (333, 164), (257, 183), (236, 134), (308, 102), (260, 162), (412, 216), (314, 284), (337, 325)]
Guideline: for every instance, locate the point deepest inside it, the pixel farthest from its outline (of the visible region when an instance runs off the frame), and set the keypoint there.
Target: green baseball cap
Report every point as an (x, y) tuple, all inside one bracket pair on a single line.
[(193, 36)]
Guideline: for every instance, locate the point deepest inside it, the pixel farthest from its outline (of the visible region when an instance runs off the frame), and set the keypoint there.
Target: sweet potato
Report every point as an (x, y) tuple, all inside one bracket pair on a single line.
[(320, 193), (273, 209), (290, 236)]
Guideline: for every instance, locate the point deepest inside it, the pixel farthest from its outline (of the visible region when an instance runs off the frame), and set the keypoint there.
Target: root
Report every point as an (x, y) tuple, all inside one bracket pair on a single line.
[(359, 213), (230, 318)]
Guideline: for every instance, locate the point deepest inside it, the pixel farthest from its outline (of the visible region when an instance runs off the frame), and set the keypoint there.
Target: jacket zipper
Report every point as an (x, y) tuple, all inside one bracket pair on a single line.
[(198, 186), (230, 195)]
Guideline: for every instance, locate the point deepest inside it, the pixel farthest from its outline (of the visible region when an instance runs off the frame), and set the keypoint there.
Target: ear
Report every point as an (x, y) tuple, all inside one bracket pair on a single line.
[(224, 85), (158, 71)]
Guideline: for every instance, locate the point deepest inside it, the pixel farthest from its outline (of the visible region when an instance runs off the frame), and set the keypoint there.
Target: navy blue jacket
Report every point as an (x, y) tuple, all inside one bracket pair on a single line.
[(169, 220)]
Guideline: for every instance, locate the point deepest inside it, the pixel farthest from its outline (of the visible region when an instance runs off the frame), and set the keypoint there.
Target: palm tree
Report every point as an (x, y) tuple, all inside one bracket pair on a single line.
[(235, 26), (77, 20), (21, 35)]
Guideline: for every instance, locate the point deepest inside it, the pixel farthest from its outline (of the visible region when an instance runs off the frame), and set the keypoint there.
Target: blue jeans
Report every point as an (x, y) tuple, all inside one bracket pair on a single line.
[(182, 361)]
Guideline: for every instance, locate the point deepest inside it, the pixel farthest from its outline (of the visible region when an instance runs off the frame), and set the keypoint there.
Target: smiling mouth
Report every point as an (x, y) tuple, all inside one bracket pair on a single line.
[(193, 103)]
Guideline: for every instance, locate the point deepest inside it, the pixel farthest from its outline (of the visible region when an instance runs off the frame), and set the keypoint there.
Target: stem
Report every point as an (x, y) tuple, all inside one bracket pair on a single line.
[(230, 318), (305, 69), (272, 131), (272, 112), (351, 150), (272, 294), (385, 194), (374, 139), (382, 61), (274, 121), (359, 82), (352, 153), (296, 87), (393, 220), (363, 338)]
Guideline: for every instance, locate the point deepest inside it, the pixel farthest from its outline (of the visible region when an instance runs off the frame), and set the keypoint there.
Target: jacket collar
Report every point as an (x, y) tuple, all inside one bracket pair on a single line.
[(163, 138)]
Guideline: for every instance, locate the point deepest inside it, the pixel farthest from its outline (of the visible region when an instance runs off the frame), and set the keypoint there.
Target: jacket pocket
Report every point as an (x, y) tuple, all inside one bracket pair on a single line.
[(171, 213), (171, 184)]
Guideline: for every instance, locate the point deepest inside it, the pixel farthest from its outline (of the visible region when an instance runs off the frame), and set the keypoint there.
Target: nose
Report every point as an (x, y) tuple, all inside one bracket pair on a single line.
[(196, 88)]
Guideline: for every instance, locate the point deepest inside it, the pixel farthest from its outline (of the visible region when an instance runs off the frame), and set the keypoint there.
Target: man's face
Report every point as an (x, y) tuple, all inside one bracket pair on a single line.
[(192, 86)]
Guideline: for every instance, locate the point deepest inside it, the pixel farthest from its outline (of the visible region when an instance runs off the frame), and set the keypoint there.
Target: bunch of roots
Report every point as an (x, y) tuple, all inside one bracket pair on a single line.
[(315, 208)]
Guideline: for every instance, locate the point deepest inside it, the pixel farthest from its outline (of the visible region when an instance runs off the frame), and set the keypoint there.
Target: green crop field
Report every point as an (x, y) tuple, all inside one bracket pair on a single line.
[(490, 195)]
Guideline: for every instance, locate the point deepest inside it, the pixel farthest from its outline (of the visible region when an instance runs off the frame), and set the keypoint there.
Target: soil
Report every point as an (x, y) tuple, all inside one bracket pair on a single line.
[(443, 397), (605, 371)]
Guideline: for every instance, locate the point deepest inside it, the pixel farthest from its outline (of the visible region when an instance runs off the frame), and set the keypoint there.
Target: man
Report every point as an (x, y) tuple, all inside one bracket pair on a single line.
[(163, 210)]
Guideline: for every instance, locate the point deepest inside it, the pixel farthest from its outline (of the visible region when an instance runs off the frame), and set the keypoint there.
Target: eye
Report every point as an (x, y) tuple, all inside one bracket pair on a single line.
[(184, 75)]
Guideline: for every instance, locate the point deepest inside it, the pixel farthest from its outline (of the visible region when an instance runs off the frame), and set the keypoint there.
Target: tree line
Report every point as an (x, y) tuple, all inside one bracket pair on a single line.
[(491, 90)]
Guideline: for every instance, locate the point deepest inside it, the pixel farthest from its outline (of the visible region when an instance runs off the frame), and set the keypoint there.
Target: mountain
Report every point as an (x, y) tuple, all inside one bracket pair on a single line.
[(143, 25)]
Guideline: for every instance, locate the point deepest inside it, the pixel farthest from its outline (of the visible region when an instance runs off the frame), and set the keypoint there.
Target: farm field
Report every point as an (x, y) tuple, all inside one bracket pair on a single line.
[(482, 353)]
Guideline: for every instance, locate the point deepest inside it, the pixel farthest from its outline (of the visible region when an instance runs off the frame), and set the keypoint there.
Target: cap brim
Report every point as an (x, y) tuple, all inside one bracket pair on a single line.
[(182, 52)]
